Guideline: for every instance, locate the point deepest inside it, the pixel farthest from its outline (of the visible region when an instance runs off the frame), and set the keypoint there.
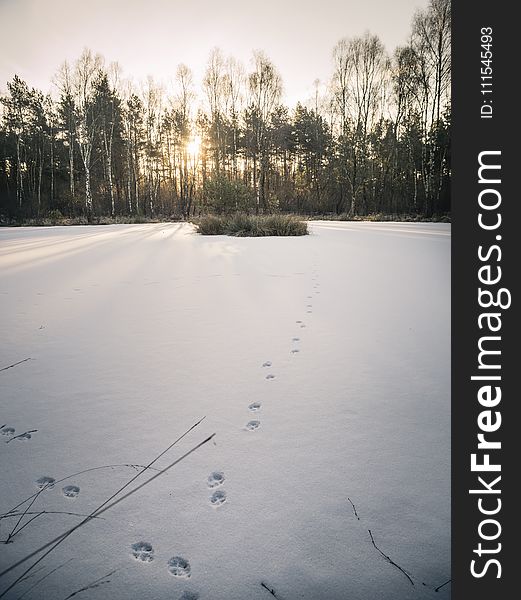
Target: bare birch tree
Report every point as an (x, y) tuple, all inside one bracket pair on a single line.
[(86, 72), (265, 91)]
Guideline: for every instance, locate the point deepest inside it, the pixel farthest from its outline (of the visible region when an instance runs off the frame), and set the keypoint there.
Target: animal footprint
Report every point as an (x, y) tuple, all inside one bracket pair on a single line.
[(7, 430), (215, 479), (186, 595), (267, 363), (71, 491), (218, 498), (45, 482), (302, 326), (179, 567), (254, 406), (24, 436), (298, 321), (295, 350), (252, 425), (270, 376), (143, 551), (295, 339)]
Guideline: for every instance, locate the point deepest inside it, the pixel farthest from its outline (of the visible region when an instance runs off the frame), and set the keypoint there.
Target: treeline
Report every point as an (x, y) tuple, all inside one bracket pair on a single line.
[(375, 139)]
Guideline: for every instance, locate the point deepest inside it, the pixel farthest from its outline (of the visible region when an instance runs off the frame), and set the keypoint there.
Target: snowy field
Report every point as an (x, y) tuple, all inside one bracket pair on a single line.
[(322, 363)]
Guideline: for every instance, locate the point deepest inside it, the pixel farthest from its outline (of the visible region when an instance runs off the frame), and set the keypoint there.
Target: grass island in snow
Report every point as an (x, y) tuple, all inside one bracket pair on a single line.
[(244, 225)]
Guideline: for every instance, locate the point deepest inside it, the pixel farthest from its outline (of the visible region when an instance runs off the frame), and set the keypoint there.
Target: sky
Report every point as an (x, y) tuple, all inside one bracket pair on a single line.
[(151, 37)]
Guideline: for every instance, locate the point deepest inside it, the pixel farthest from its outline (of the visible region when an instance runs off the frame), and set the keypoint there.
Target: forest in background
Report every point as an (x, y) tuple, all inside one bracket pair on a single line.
[(375, 139)]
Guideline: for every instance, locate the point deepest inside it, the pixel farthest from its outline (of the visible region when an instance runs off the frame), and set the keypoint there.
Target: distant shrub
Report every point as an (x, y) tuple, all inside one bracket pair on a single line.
[(211, 225), (402, 217), (55, 216), (243, 225), (225, 196)]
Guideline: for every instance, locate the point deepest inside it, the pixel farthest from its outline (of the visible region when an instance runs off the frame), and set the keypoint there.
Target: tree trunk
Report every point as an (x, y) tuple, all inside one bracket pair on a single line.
[(51, 164), (19, 181), (71, 165), (88, 193)]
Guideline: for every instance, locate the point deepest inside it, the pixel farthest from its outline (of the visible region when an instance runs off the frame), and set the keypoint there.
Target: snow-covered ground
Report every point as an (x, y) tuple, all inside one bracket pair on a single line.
[(135, 332)]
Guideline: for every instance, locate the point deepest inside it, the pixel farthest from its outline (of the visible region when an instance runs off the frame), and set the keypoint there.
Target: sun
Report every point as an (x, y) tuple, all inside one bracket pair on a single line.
[(194, 145)]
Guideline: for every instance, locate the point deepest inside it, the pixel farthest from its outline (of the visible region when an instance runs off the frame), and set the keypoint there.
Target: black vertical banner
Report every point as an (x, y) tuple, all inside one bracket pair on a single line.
[(485, 75)]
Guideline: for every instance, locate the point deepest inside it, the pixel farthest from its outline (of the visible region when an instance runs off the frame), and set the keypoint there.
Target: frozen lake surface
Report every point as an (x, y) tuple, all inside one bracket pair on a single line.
[(322, 363)]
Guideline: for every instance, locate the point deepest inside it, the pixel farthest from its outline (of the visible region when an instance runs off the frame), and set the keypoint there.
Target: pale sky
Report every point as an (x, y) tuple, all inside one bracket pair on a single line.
[(151, 37)]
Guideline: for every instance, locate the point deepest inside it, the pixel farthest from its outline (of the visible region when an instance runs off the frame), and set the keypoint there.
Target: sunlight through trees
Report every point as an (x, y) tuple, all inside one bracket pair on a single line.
[(375, 139)]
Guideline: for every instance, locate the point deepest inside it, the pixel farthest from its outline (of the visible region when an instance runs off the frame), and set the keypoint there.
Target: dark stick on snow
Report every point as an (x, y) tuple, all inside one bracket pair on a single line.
[(50, 546), (10, 515), (272, 592), (15, 364), (388, 559), (44, 577), (35, 572), (94, 584), (14, 529), (442, 585), (354, 509), (12, 535)]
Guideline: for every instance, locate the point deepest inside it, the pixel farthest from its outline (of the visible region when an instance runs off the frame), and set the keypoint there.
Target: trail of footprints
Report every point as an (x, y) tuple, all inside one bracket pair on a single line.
[(178, 566), (254, 424), (142, 551), (216, 479)]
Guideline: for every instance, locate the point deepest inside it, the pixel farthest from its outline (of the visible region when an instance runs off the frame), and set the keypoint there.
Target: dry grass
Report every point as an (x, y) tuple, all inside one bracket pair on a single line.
[(243, 225)]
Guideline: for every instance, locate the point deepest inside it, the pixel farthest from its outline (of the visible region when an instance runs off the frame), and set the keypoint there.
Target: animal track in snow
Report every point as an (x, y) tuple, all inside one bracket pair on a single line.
[(254, 406), (295, 339), (45, 482), (298, 322), (186, 595), (252, 425), (179, 567), (267, 363), (218, 498), (270, 376), (215, 479), (143, 551), (7, 430), (295, 350), (71, 491)]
